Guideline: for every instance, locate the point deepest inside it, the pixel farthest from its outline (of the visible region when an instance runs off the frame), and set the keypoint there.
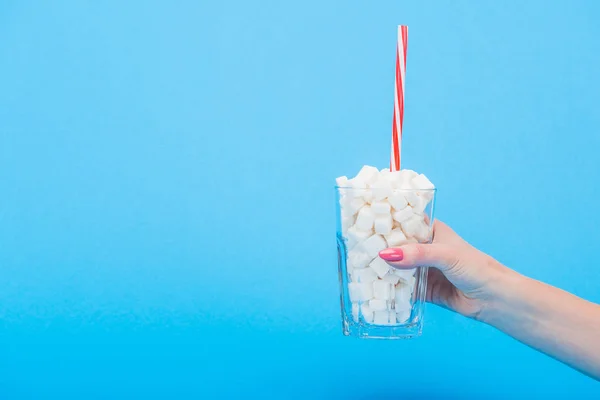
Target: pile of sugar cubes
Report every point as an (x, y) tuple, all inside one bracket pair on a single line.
[(381, 209)]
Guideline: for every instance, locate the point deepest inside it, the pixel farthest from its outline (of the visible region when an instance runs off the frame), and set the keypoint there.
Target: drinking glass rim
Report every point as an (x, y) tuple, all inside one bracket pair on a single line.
[(404, 190)]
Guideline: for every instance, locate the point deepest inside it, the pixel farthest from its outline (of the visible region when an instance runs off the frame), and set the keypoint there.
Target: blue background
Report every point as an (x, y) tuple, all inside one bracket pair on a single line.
[(166, 171)]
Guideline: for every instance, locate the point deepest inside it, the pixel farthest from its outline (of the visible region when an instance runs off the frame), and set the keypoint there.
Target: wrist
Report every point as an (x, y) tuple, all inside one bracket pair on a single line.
[(504, 296)]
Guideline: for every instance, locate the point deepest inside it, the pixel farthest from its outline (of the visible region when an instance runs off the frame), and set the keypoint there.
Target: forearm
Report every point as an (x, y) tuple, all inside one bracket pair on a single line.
[(548, 319)]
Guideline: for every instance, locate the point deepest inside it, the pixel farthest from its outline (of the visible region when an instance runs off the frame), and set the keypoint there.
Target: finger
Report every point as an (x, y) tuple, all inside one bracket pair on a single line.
[(441, 256)]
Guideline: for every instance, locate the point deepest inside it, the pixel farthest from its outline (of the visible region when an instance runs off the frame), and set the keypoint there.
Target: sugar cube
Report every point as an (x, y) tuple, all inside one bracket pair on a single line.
[(342, 181), (347, 222), (382, 290), (380, 207), (364, 275), (403, 215), (368, 174), (417, 228), (359, 187), (356, 236), (357, 259), (354, 205), (397, 200), (365, 219), (411, 197), (360, 291), (421, 182), (403, 316), (383, 318), (407, 174), (373, 245), (405, 275), (395, 238), (381, 189), (380, 267), (366, 312), (383, 224), (391, 278), (402, 295), (395, 178), (377, 304), (420, 205)]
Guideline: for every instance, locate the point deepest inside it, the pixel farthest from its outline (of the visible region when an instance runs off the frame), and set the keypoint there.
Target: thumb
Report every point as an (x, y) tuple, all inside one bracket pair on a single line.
[(441, 256)]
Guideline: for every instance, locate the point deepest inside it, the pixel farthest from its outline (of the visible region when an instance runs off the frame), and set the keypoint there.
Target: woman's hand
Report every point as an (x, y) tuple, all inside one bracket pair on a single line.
[(473, 284), (463, 279)]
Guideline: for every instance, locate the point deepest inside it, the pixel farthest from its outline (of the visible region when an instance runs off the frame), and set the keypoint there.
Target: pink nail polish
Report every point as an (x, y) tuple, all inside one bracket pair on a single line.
[(391, 254)]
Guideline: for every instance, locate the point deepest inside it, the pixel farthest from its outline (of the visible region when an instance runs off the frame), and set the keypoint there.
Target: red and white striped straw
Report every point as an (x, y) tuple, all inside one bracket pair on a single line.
[(399, 97)]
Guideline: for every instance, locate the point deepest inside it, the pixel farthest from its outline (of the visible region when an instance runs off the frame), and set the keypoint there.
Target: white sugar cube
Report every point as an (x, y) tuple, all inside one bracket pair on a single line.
[(403, 215), (346, 205), (380, 207), (383, 290), (342, 181), (381, 189), (395, 238), (373, 245), (424, 185), (380, 267), (360, 291), (344, 201), (398, 201), (368, 174), (383, 175), (368, 196), (377, 305), (354, 205), (383, 224), (364, 275), (356, 236), (420, 205), (365, 219), (391, 278), (402, 295), (358, 187), (403, 316), (402, 306), (421, 182), (417, 228), (408, 175), (384, 318), (411, 197), (347, 222), (357, 259), (405, 275), (355, 312), (426, 194), (395, 178), (366, 312)]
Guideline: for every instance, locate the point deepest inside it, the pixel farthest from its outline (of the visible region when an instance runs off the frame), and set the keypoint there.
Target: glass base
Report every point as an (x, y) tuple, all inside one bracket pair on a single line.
[(371, 331)]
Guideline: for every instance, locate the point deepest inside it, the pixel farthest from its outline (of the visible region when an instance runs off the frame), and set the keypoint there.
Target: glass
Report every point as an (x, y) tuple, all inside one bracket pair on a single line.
[(378, 301)]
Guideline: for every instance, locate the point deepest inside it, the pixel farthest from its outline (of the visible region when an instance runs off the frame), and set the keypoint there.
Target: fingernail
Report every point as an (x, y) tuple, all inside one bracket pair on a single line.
[(391, 254)]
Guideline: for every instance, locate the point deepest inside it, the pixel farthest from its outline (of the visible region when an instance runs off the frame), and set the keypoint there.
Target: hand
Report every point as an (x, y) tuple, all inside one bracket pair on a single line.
[(463, 279), (467, 281)]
